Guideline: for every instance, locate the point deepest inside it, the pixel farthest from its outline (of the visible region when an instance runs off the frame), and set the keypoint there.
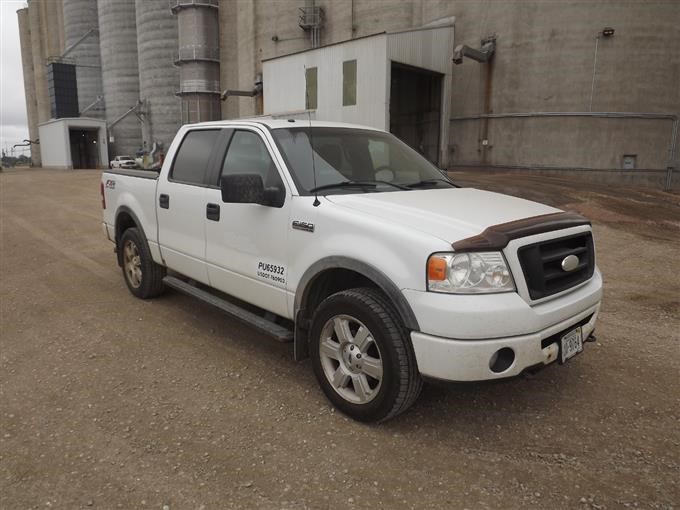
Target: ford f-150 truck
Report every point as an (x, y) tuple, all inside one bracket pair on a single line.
[(348, 243)]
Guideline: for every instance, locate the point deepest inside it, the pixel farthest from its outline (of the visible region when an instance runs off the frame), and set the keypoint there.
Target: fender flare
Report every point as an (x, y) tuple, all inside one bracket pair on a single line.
[(384, 283), (138, 225)]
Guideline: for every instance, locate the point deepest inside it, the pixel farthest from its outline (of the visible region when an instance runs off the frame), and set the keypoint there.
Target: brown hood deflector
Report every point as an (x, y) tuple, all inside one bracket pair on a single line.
[(497, 237)]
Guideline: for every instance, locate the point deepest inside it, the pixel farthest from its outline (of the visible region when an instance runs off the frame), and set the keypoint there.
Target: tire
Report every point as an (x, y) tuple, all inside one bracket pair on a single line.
[(362, 356), (142, 275)]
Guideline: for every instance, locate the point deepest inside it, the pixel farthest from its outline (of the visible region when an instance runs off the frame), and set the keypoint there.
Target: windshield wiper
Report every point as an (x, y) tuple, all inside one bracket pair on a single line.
[(355, 184), (429, 182)]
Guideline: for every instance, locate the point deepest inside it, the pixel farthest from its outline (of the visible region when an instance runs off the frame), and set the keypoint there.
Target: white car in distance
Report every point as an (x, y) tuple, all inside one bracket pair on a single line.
[(123, 162)]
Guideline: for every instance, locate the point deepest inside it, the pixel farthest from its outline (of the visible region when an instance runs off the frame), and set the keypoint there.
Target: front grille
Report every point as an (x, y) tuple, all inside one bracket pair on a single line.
[(542, 264)]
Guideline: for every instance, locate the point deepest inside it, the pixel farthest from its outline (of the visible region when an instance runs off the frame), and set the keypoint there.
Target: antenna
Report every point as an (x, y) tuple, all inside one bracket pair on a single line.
[(311, 138)]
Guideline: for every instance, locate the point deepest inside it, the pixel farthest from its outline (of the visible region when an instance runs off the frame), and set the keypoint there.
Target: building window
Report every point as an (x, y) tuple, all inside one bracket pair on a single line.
[(310, 94), (349, 83)]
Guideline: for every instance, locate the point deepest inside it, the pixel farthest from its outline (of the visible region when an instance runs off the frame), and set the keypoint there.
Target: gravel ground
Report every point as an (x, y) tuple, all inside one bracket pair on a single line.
[(107, 401)]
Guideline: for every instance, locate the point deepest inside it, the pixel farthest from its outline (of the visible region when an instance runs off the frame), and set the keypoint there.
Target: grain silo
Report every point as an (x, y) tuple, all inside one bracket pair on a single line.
[(120, 74), (35, 21), (158, 77), (81, 40), (29, 82)]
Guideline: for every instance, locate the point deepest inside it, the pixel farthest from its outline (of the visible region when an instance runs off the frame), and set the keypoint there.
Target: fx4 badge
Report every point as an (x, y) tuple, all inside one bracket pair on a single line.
[(303, 225)]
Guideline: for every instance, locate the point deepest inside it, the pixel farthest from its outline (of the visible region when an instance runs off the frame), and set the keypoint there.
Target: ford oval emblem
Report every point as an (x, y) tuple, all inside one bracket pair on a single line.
[(570, 262)]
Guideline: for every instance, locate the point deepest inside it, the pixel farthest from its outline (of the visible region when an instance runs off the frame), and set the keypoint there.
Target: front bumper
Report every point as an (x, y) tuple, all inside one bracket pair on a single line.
[(470, 360)]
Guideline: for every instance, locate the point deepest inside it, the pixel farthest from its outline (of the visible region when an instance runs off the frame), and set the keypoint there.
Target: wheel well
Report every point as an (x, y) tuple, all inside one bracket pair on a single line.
[(331, 281), (322, 286), (124, 221)]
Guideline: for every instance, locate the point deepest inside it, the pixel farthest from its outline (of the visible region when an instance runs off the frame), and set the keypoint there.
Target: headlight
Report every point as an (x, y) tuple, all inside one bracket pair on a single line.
[(469, 273)]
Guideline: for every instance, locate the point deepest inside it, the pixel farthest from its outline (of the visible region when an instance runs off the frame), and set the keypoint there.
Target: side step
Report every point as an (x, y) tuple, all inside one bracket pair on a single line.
[(280, 333)]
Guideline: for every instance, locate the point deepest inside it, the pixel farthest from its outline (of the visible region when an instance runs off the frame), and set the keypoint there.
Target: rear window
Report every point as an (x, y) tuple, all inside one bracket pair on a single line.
[(191, 162)]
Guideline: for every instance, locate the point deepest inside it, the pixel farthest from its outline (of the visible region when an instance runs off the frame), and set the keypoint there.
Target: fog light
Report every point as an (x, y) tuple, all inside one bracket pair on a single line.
[(501, 360)]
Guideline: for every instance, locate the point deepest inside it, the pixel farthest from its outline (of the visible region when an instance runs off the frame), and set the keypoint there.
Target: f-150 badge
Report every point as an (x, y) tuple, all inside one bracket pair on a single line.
[(303, 225)]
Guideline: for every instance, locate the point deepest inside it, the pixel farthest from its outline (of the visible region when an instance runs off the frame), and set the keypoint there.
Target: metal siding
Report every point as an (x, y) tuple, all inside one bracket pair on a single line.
[(55, 143), (429, 49), (284, 82)]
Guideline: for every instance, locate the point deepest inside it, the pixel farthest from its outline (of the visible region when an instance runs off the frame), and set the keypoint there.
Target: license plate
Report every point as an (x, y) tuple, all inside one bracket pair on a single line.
[(571, 344)]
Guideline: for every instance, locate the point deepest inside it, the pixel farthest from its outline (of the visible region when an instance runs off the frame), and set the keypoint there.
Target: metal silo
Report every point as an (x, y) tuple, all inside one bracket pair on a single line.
[(81, 41), (120, 74), (198, 59), (158, 77)]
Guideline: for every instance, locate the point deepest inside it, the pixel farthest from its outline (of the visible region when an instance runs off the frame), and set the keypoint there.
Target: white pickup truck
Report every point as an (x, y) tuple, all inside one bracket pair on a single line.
[(123, 162), (347, 242)]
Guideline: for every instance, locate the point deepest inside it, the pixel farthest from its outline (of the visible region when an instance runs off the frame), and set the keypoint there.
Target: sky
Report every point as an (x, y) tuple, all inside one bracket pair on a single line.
[(13, 126)]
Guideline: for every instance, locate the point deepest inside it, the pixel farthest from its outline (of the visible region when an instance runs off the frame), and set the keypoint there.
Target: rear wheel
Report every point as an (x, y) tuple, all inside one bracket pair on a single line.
[(362, 356), (142, 275)]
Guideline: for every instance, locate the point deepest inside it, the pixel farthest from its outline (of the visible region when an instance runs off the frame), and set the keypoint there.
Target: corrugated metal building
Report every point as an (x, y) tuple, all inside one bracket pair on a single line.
[(398, 81)]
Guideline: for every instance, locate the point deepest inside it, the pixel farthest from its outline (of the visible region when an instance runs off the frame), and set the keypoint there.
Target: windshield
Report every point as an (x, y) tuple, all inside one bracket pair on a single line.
[(351, 160), (125, 158)]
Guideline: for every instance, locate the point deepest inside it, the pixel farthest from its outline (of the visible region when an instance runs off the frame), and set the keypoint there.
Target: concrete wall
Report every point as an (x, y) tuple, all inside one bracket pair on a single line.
[(544, 62)]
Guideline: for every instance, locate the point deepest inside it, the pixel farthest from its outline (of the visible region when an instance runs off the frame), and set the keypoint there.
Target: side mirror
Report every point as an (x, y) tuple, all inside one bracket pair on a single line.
[(249, 189)]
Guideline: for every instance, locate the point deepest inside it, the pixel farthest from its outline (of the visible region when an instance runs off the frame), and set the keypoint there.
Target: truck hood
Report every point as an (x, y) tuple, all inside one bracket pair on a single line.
[(450, 214)]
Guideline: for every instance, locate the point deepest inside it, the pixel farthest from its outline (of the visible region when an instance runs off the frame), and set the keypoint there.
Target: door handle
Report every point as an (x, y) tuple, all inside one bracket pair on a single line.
[(212, 212), (164, 201)]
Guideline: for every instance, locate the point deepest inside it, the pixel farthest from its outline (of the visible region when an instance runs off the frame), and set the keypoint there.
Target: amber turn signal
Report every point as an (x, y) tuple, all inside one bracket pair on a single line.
[(436, 269)]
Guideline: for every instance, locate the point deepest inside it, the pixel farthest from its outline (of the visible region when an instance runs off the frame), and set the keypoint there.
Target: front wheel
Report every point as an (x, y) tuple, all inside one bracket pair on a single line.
[(362, 356), (142, 275)]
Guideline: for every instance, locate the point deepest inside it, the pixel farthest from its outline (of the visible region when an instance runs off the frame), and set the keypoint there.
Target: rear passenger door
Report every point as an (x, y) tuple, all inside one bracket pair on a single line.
[(245, 243), (180, 204)]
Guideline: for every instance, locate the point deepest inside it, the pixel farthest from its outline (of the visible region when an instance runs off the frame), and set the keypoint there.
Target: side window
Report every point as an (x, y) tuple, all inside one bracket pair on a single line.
[(349, 83), (247, 154), (310, 88), (191, 162)]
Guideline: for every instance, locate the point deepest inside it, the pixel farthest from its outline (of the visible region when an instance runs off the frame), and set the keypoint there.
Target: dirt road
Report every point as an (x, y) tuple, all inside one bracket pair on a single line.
[(110, 402)]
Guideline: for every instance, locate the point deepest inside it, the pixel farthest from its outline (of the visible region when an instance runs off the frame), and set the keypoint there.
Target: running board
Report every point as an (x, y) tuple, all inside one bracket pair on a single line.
[(280, 333)]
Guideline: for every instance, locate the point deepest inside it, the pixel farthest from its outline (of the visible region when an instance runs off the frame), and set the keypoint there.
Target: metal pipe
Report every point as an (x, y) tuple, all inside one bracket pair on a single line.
[(672, 162), (613, 115), (121, 117), (81, 39), (592, 85)]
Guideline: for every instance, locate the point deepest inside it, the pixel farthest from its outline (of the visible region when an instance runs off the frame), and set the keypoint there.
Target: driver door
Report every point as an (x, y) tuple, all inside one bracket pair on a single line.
[(245, 243)]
